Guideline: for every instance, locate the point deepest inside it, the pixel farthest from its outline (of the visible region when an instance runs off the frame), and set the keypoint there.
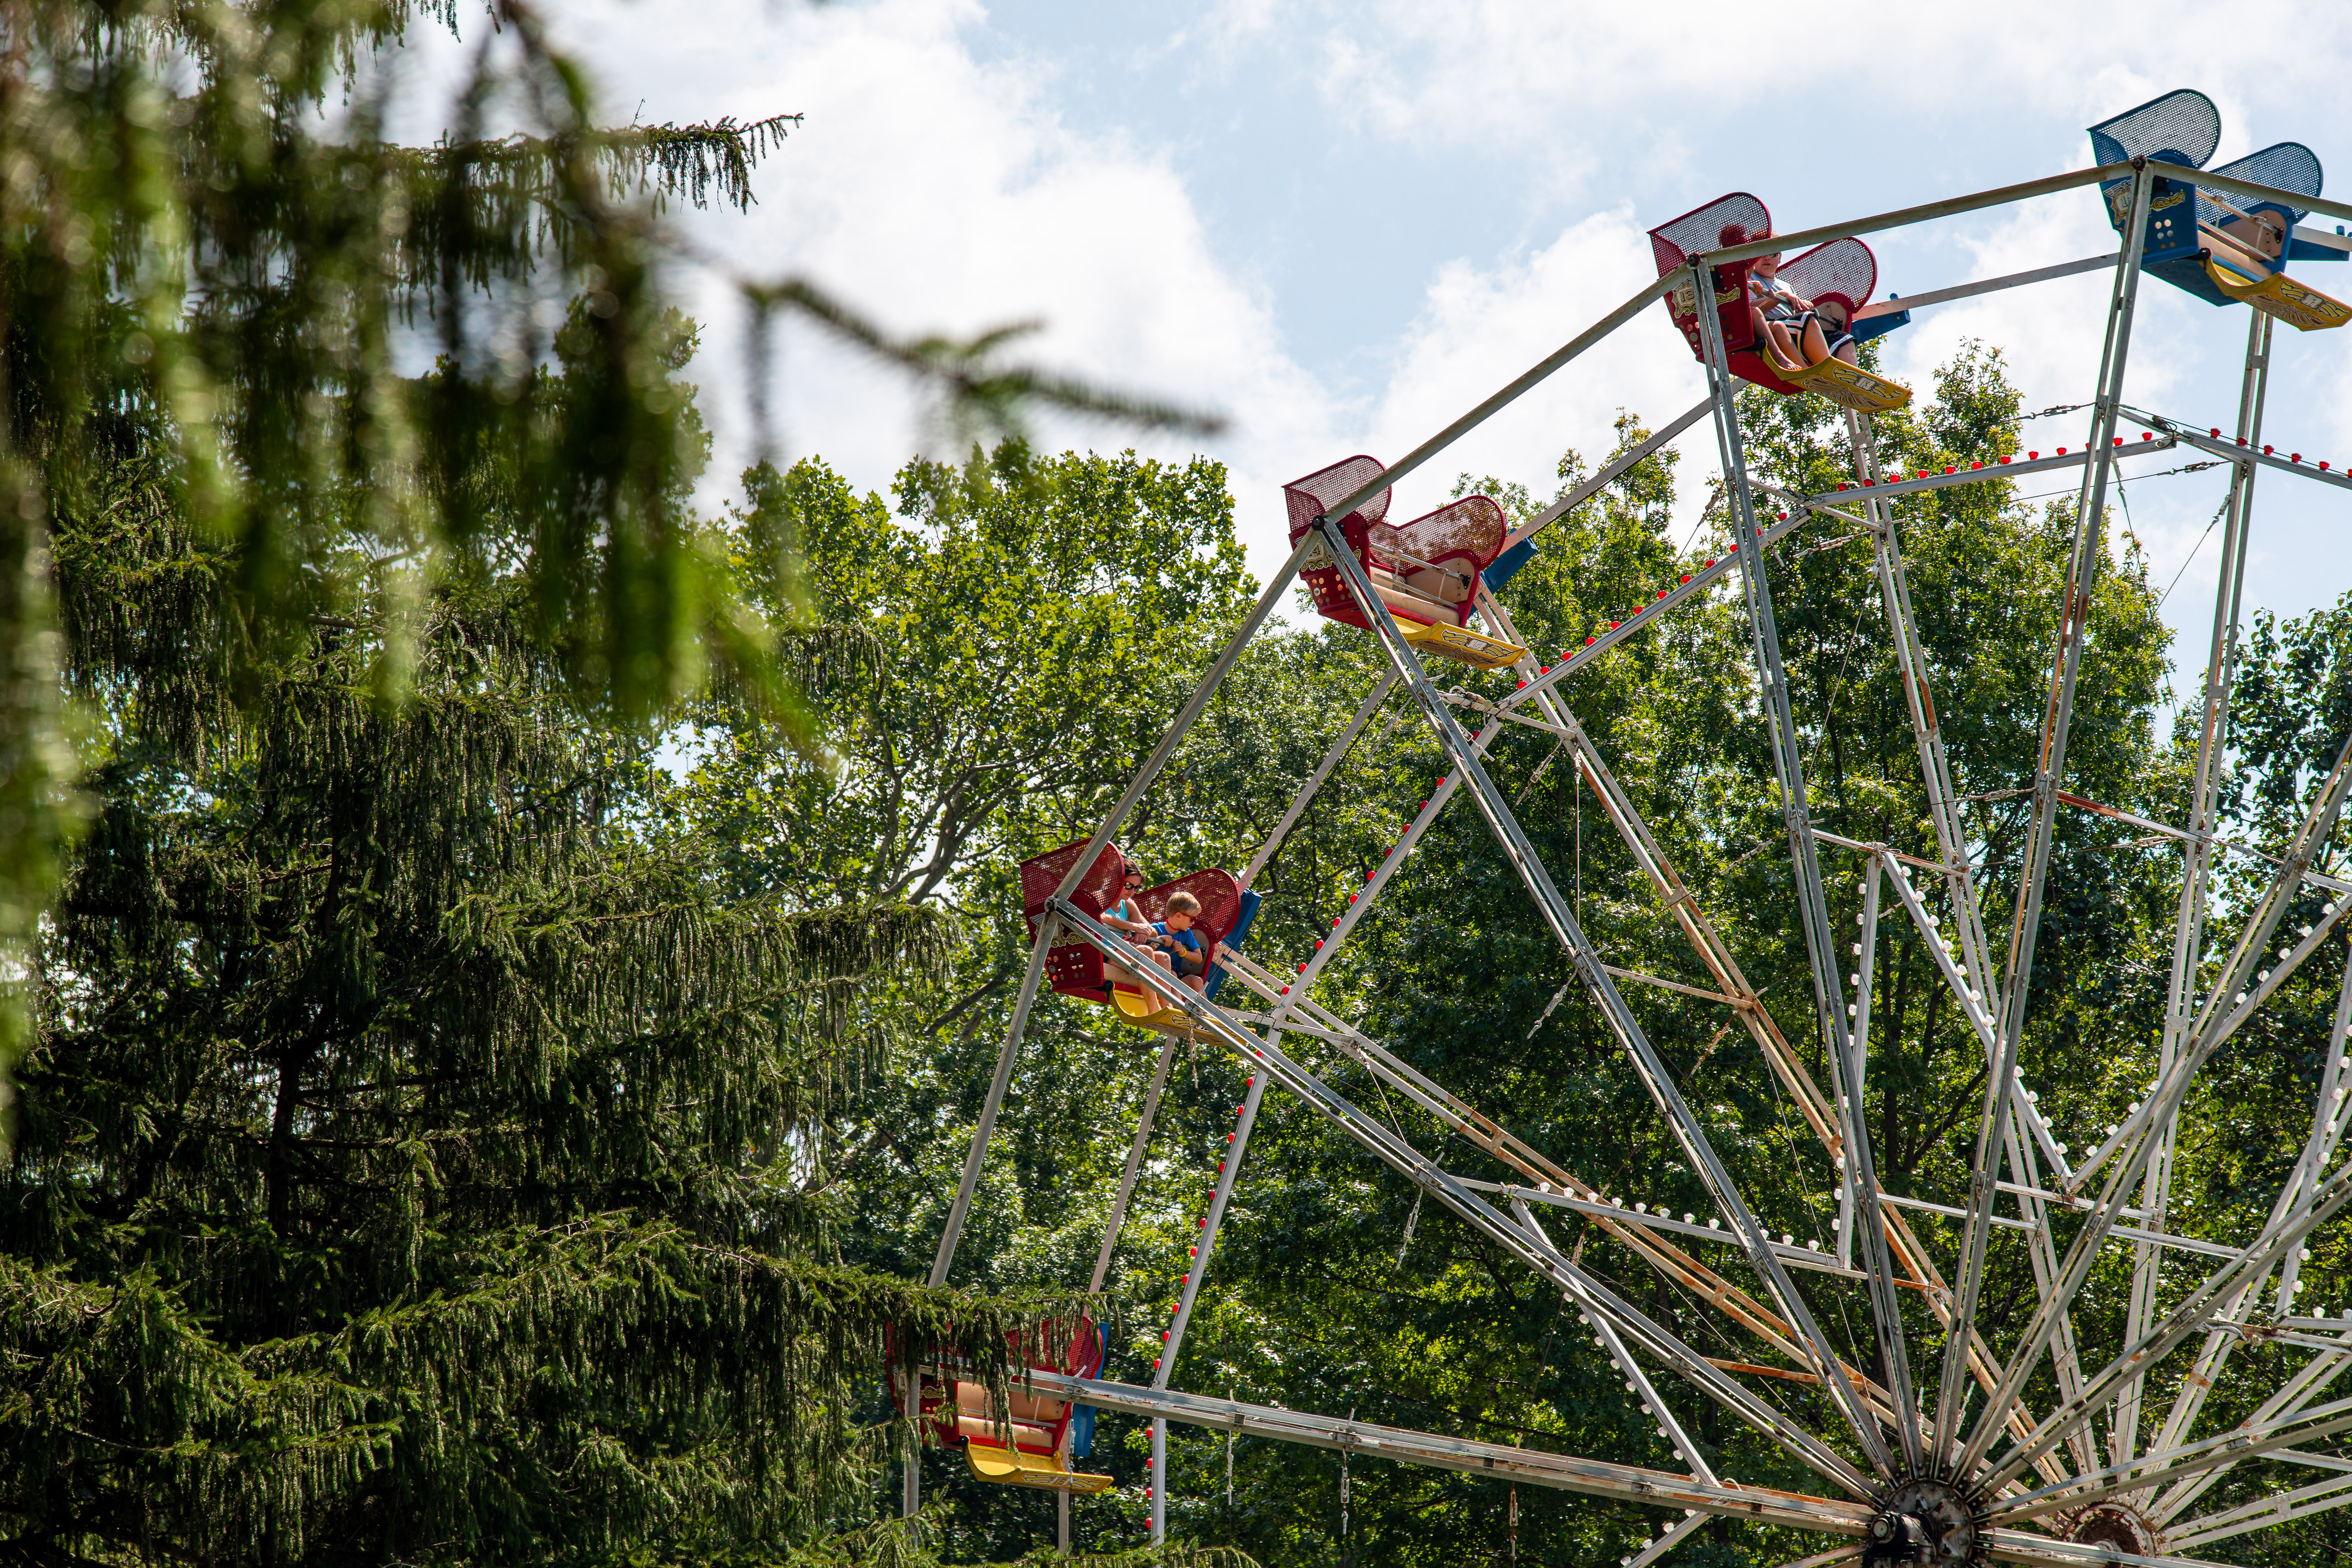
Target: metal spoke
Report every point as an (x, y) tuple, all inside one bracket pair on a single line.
[(1270, 1063), (2073, 617), (1856, 1172)]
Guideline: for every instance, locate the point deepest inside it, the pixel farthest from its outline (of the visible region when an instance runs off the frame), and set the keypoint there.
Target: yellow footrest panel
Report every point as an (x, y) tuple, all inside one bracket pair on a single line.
[(1144, 1010), (1461, 643), (1847, 385), (2305, 309), (1010, 1466)]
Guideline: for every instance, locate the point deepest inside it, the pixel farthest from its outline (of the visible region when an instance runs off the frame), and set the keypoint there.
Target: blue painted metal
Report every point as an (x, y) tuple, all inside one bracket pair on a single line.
[(1871, 327), (1506, 565), (2183, 126), (1233, 939)]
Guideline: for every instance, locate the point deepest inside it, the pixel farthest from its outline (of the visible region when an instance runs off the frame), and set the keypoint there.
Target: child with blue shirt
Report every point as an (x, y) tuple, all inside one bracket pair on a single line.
[(1175, 936)]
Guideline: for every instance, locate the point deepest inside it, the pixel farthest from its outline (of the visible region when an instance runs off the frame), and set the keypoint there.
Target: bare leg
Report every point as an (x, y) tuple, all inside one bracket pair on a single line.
[(1773, 341), (1817, 345)]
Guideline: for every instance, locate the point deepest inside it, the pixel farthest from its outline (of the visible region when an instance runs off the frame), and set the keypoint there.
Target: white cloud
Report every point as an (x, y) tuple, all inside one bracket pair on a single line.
[(939, 193), (940, 183), (1483, 326)]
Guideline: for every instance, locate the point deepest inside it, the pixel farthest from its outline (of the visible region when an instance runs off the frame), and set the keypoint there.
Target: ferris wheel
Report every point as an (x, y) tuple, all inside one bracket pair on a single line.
[(2071, 1438)]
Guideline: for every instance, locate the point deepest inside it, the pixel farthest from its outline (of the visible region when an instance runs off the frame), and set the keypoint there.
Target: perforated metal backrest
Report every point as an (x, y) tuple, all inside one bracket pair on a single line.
[(1475, 523), (2290, 166), (1220, 903), (1733, 219), (1311, 497), (2183, 122), (1041, 874), (1842, 268)]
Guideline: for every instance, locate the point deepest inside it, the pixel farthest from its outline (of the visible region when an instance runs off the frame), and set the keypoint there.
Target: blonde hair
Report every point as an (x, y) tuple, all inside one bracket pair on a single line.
[(1182, 903)]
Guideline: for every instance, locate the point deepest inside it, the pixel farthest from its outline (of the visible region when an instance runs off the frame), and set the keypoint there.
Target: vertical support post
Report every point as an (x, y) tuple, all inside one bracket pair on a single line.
[(2196, 870), (1788, 763), (2074, 620), (1855, 1166), (1048, 927), (1866, 958), (1135, 1149), (1927, 732), (1062, 1522), (1194, 705), (1159, 1480), (910, 1485)]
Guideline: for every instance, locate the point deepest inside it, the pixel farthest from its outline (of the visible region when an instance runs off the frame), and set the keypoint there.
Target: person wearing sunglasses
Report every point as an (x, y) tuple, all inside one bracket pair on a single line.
[(1125, 916)]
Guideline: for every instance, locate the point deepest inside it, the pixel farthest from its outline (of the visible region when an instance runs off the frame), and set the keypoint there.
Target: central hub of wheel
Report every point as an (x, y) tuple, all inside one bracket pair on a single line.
[(1923, 1523), (2117, 1525)]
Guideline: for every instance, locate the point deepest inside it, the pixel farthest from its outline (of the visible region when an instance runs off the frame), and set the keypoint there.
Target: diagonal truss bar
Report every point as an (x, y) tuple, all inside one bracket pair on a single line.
[(2196, 859), (2251, 1440), (2164, 1104), (1620, 1017), (2282, 1508), (2073, 618), (1870, 486), (2253, 992), (2327, 1126), (1857, 1171), (1690, 585), (1864, 980), (985, 1127), (1332, 755), (1501, 1461), (2200, 1305), (2248, 454), (1389, 1146), (1135, 1150), (1610, 474), (1605, 1335), (1926, 730)]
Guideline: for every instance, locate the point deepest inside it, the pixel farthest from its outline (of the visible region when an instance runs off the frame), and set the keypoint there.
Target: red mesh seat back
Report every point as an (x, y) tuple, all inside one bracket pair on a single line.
[(1221, 904), (1843, 271), (1073, 964), (1733, 219), (1313, 496), (1472, 529), (1042, 874)]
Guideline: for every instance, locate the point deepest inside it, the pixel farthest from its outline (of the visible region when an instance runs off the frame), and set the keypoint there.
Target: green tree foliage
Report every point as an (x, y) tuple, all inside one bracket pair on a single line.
[(416, 1156), (212, 258)]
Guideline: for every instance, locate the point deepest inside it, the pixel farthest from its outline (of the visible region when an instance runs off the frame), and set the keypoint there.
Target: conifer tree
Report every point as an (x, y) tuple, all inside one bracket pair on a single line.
[(412, 1159), (211, 256)]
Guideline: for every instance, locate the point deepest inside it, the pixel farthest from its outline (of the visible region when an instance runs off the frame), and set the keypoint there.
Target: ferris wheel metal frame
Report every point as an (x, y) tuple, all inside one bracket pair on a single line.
[(1973, 1473)]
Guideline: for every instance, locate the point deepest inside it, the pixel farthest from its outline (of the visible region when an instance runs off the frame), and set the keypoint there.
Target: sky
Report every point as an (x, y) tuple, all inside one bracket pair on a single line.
[(1341, 225)]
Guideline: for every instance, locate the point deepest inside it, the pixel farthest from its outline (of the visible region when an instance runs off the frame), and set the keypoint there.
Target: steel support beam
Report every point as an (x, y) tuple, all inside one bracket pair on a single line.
[(2074, 620), (2196, 864), (1857, 1172)]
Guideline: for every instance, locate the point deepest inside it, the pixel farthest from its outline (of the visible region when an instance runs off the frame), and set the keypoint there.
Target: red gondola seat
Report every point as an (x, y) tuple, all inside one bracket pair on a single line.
[(1425, 571), (1838, 276), (1031, 1446), (1076, 967)]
